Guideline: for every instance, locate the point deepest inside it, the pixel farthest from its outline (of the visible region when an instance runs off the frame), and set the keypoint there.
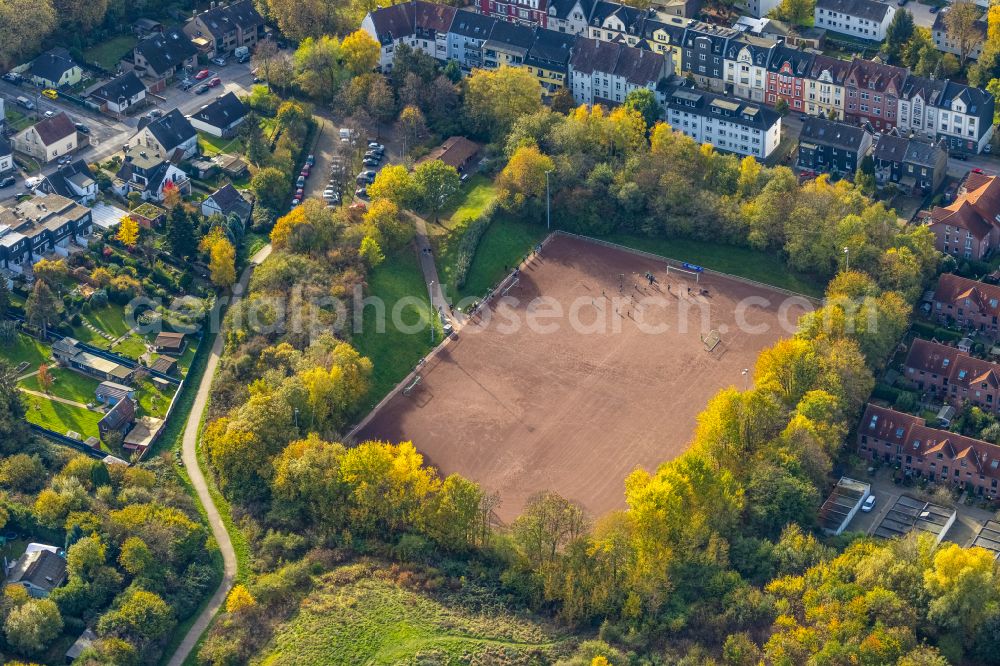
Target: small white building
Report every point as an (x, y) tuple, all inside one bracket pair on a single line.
[(864, 19), (220, 118), (48, 139), (757, 8), (121, 93), (729, 124)]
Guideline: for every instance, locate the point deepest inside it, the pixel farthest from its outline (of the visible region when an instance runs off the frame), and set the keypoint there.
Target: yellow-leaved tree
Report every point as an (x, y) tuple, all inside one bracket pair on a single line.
[(221, 257), (128, 232)]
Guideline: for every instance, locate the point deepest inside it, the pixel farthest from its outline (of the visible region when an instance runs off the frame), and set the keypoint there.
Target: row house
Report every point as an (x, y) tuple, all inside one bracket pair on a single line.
[(872, 93), (948, 43), (918, 165), (704, 53), (39, 226), (965, 118), (919, 100), (422, 26), (602, 73), (824, 88), (864, 19), (508, 45), (939, 455), (968, 227), (968, 303), (221, 29), (469, 31), (613, 22), (525, 12), (827, 146), (665, 35), (953, 376), (729, 124), (162, 57), (569, 16), (786, 76), (548, 59), (746, 61)]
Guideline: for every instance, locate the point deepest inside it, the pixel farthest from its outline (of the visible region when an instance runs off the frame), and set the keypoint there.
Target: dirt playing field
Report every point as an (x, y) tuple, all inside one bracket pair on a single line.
[(574, 403)]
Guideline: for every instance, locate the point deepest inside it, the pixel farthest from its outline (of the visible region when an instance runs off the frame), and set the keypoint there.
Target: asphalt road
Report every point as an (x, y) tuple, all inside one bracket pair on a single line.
[(189, 455)]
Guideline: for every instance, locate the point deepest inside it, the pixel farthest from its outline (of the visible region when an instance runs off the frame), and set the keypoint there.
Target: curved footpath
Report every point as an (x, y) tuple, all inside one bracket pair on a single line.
[(190, 457)]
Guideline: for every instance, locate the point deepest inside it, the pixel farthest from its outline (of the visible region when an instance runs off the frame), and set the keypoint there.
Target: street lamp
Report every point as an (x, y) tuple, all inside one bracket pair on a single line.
[(746, 378), (847, 252), (296, 418), (548, 203)]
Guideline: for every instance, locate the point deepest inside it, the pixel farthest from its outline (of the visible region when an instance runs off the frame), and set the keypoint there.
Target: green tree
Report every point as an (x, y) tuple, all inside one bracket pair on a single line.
[(960, 21), (799, 12), (523, 178), (24, 26), (781, 106), (371, 252), (494, 100), (31, 627), (85, 557), (42, 306), (644, 101), (437, 185), (899, 32), (136, 557), (271, 187), (138, 615), (181, 236), (394, 183)]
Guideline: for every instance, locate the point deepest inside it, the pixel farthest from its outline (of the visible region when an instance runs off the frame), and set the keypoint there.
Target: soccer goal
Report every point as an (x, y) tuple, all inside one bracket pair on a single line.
[(711, 340), (513, 283), (412, 385), (691, 275)]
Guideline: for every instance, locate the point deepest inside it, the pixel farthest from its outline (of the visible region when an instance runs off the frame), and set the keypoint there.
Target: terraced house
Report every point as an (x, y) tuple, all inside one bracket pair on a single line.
[(965, 118), (665, 35), (613, 22), (968, 303), (548, 58), (747, 58), (953, 376), (602, 73), (508, 45), (40, 226), (569, 16), (873, 91), (525, 12), (704, 54), (422, 26), (938, 455), (824, 91), (786, 76), (968, 227)]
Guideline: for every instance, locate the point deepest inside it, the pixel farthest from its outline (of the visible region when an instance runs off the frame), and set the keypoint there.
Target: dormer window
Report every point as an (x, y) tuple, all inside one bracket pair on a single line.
[(961, 374), (899, 432), (945, 363), (871, 426)]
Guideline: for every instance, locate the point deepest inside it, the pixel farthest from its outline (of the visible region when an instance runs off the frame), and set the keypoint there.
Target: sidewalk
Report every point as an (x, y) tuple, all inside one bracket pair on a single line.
[(39, 394), (426, 258)]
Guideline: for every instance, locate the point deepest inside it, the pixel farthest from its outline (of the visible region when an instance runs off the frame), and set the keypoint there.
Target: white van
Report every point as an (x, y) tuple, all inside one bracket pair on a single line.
[(25, 102)]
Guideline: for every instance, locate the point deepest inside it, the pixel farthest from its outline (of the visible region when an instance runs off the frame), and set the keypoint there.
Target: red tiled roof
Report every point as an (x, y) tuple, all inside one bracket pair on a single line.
[(976, 207), (931, 357), (956, 290)]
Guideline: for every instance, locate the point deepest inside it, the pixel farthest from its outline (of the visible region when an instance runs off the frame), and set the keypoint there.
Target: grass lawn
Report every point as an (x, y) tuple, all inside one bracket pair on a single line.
[(17, 120), (739, 261), (503, 245), (110, 319), (477, 192), (61, 418), (110, 51), (154, 402), (66, 384), (133, 347), (355, 617), (393, 352), (26, 349), (213, 145), (447, 237), (84, 334)]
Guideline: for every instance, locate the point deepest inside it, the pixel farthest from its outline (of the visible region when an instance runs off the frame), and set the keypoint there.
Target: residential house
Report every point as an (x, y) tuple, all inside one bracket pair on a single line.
[(469, 31), (148, 215), (31, 229), (864, 19), (679, 8), (965, 118), (967, 228), (548, 59), (221, 117), (824, 89), (431, 23), (109, 393), (873, 90), (120, 94), (163, 57), (968, 303), (227, 201), (6, 155), (615, 22), (118, 421), (787, 73), (171, 137), (39, 570), (602, 73), (938, 455), (757, 8), (747, 58), (508, 45), (570, 16), (664, 34), (953, 376), (704, 54), (148, 175), (48, 139), (918, 165), (223, 28), (457, 152), (53, 69), (524, 12), (142, 435), (729, 124), (781, 32), (827, 146), (74, 181), (69, 352), (946, 42), (423, 26), (918, 105), (82, 643)]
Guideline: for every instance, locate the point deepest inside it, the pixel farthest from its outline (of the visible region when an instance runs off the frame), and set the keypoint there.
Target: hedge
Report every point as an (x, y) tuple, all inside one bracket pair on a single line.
[(470, 242), (887, 393)]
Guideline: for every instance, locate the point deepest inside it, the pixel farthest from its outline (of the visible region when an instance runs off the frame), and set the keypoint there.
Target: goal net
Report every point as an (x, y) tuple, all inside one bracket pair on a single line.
[(691, 275)]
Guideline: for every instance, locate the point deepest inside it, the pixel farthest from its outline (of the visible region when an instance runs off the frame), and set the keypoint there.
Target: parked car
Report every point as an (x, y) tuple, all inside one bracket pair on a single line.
[(361, 192), (216, 81), (65, 159), (961, 157), (366, 178), (311, 161), (370, 162), (305, 172), (24, 102), (296, 201), (299, 192), (203, 74), (201, 90), (8, 181), (49, 114), (50, 93), (156, 113), (81, 128), (934, 9), (378, 147), (187, 84), (869, 504), (13, 77), (220, 61), (301, 182)]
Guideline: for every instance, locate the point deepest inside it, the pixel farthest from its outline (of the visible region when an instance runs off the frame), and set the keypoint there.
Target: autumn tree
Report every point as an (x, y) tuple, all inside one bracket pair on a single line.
[(644, 101), (271, 186), (360, 53), (42, 306), (524, 177), (437, 185), (221, 257), (799, 12), (24, 26), (31, 627), (412, 127), (386, 226), (961, 22), (394, 183), (44, 378), (308, 228), (128, 232), (494, 100), (139, 615)]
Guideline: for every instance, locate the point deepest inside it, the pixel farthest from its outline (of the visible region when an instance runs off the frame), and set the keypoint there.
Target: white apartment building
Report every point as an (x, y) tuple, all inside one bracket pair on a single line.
[(746, 66), (603, 73), (728, 124), (864, 19)]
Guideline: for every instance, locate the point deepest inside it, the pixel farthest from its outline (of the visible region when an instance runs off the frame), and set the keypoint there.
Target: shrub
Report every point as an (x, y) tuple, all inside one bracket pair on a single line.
[(470, 242), (887, 393)]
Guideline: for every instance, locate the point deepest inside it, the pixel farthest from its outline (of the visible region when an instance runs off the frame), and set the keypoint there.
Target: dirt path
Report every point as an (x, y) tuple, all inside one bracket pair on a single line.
[(190, 456), (53, 398), (428, 266)]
